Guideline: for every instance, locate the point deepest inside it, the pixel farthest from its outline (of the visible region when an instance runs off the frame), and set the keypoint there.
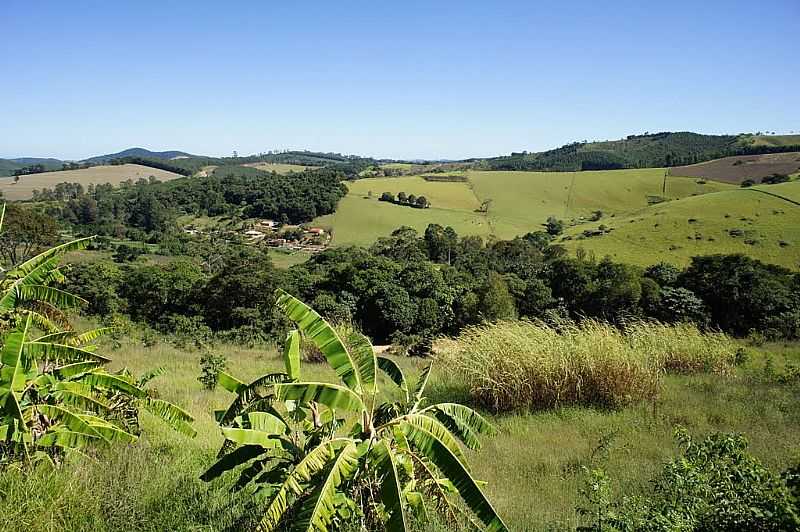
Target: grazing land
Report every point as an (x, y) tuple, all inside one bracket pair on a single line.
[(361, 218), (747, 221), (737, 169), (280, 168), (115, 175), (520, 201), (533, 466)]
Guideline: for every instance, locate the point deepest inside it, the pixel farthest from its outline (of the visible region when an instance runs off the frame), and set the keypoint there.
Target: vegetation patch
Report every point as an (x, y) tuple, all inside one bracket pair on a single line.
[(532, 365)]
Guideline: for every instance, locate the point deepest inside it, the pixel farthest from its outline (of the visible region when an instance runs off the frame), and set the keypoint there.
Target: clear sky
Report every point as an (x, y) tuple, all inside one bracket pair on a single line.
[(403, 79)]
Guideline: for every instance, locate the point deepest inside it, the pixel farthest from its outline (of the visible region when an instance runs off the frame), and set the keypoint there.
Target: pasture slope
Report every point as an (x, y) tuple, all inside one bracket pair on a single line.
[(279, 168), (762, 221), (737, 169), (95, 175), (520, 201), (361, 218)]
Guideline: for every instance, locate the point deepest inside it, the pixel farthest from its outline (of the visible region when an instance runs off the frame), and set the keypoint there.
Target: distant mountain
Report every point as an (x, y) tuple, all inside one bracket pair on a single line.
[(7, 166), (138, 153), (46, 161), (651, 150)]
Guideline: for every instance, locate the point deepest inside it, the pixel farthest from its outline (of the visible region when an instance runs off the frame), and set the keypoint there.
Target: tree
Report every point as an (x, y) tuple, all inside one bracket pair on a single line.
[(25, 233), (382, 463), (387, 196), (422, 202), (554, 227), (496, 302), (401, 197)]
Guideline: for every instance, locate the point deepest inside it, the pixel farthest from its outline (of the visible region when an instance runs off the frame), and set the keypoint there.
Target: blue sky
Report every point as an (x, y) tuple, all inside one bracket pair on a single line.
[(435, 79)]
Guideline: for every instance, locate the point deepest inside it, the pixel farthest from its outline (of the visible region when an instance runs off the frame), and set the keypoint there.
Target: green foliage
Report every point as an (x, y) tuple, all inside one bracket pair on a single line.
[(55, 396), (377, 465), (210, 367), (635, 151), (715, 485)]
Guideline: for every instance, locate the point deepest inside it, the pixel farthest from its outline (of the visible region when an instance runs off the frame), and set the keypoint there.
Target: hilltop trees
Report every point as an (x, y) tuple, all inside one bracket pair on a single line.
[(410, 200)]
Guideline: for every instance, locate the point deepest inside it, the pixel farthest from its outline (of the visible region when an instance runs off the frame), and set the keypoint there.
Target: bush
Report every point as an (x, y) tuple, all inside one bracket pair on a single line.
[(210, 367), (529, 364), (715, 485)]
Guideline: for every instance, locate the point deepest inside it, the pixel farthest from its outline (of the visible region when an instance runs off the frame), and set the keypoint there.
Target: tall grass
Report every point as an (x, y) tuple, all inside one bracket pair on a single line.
[(683, 348), (528, 365)]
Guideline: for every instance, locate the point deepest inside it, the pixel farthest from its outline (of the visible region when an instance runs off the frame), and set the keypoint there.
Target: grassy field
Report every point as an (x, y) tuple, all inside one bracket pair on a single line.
[(361, 219), (677, 230), (96, 175), (521, 201), (277, 167), (533, 467)]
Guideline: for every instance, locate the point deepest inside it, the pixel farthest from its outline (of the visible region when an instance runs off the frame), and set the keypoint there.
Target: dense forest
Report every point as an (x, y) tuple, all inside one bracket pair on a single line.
[(408, 288), (149, 206), (635, 151)]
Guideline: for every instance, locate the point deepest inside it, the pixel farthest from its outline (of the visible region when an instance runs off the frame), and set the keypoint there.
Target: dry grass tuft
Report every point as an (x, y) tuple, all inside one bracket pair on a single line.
[(531, 365)]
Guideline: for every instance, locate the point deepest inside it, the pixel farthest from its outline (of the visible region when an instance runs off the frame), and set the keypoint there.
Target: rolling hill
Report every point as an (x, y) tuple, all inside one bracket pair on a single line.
[(137, 152), (96, 174), (644, 151), (520, 201), (762, 221)]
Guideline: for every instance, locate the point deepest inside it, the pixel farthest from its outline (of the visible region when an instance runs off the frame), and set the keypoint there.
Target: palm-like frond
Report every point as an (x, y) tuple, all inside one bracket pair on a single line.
[(318, 508), (172, 415), (316, 329), (291, 355), (393, 371), (391, 488), (462, 421), (331, 395), (313, 462), (441, 455)]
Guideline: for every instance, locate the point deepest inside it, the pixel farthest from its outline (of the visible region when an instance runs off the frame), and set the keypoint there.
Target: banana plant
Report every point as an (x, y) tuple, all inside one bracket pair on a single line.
[(320, 455), (55, 395)]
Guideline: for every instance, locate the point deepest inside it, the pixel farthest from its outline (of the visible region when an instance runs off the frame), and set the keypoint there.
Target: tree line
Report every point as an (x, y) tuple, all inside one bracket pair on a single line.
[(635, 151), (408, 287), (147, 209), (411, 200)]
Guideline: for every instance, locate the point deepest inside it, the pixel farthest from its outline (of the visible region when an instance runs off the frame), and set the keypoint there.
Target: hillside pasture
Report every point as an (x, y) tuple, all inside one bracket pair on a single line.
[(95, 175), (737, 169), (279, 168), (522, 201), (745, 221)]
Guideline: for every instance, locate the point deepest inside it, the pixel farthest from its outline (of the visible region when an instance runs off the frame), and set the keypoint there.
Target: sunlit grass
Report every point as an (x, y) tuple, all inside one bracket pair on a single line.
[(533, 466)]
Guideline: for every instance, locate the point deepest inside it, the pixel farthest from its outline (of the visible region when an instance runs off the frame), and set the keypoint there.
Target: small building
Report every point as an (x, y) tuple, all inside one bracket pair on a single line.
[(272, 224), (316, 231)]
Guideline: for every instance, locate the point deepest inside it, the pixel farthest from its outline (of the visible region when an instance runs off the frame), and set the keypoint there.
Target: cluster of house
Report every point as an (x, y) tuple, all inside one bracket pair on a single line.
[(289, 237), (292, 237)]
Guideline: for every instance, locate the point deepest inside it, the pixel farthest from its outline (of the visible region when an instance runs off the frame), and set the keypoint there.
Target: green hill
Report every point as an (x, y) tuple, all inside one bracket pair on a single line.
[(520, 201), (762, 221), (644, 151)]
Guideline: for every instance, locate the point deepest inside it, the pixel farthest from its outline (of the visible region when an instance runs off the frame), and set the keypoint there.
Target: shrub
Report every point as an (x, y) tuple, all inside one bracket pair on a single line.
[(210, 367), (715, 485), (529, 364)]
